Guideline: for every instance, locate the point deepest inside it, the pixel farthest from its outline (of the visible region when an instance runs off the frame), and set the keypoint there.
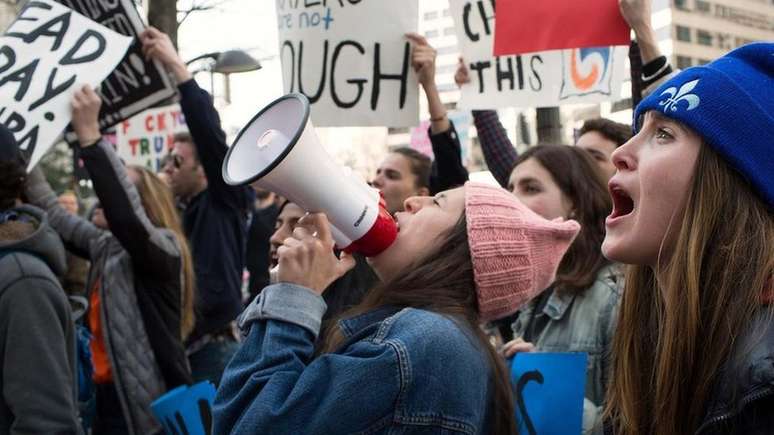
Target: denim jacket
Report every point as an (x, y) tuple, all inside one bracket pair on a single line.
[(582, 322), (398, 372)]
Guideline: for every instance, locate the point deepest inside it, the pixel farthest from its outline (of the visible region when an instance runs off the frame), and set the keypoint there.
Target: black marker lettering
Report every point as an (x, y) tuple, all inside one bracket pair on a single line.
[(358, 82)]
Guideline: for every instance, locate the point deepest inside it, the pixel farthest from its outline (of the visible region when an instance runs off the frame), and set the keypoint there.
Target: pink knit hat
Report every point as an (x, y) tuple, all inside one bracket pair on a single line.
[(515, 252)]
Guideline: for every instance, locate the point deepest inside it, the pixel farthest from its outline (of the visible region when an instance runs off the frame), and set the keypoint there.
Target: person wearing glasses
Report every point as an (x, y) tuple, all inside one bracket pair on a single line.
[(214, 218)]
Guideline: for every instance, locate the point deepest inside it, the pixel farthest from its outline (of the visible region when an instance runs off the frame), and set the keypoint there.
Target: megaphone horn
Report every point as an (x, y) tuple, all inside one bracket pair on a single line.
[(279, 151)]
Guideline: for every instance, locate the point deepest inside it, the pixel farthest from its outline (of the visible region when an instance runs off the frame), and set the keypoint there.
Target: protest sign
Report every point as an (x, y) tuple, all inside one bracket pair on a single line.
[(44, 55), (136, 83), (549, 391), (527, 26), (146, 138), (351, 59), (541, 79)]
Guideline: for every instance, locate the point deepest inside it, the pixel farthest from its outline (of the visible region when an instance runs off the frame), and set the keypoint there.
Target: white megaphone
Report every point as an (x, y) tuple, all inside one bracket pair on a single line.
[(279, 149)]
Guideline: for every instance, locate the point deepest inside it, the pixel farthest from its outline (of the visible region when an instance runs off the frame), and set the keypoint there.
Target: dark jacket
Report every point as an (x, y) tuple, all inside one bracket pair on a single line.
[(139, 269), (215, 220), (744, 394), (37, 334), (447, 171), (257, 259)]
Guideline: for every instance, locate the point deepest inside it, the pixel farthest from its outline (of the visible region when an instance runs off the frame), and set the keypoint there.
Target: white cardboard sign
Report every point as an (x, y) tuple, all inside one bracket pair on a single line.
[(45, 55), (540, 79), (351, 59)]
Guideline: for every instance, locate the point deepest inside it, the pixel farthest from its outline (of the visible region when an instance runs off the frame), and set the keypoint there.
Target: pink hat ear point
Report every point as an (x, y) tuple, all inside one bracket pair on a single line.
[(515, 252)]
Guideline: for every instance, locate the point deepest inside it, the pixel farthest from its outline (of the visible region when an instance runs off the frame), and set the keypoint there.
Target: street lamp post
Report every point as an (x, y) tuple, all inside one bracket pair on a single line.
[(226, 63)]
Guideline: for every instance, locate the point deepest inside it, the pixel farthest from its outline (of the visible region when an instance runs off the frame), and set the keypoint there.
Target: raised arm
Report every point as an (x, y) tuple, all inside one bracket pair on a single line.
[(201, 118), (148, 246), (447, 170), (499, 153), (655, 66)]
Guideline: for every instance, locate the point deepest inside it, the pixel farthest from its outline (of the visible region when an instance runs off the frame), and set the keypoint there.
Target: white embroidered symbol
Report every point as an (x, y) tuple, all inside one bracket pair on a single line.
[(673, 101)]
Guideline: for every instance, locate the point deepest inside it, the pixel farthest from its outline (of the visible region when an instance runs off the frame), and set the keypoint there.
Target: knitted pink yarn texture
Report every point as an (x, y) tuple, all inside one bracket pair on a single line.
[(515, 252)]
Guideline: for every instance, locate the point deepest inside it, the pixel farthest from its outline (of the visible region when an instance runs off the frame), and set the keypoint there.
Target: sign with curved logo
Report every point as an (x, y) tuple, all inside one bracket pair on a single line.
[(537, 79)]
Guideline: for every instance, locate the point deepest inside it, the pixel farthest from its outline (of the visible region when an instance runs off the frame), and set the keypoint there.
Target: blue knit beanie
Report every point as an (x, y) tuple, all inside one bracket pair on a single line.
[(730, 103)]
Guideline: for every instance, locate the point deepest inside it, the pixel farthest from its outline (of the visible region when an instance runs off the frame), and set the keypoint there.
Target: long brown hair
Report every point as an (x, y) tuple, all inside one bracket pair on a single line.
[(581, 180), (442, 282), (675, 334), (159, 205)]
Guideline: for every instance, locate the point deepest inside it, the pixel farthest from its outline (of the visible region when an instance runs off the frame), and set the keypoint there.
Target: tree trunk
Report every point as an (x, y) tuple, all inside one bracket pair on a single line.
[(549, 126), (162, 14)]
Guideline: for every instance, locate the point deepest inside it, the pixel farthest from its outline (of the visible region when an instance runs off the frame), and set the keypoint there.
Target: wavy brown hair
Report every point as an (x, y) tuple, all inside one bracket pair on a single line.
[(442, 282), (580, 179), (159, 205), (675, 333)]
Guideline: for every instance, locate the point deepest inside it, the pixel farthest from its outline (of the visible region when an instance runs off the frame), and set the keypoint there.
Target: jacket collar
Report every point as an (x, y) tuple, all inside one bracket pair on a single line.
[(557, 304), (748, 375), (352, 325)]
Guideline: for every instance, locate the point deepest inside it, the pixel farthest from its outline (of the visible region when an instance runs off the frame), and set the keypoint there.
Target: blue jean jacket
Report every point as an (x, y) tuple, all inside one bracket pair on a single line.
[(403, 371)]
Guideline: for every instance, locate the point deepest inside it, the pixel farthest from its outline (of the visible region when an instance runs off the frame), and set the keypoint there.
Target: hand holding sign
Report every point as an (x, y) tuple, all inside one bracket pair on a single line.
[(85, 105), (422, 59), (462, 75), (156, 45), (518, 345)]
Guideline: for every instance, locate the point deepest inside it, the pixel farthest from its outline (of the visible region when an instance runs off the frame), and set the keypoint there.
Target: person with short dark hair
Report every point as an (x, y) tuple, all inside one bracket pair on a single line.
[(38, 392), (404, 172), (215, 217), (600, 137)]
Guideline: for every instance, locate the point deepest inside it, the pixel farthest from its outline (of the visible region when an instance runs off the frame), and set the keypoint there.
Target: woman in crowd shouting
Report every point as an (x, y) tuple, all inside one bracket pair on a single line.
[(411, 357)]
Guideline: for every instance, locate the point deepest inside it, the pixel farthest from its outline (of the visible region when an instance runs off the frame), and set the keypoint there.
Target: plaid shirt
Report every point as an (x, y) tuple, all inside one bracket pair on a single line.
[(499, 153)]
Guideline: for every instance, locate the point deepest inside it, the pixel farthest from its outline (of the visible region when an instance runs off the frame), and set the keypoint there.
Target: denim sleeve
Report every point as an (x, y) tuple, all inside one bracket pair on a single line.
[(274, 383)]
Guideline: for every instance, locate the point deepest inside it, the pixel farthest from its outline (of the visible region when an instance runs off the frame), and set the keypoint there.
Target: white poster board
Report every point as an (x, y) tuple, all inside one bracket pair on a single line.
[(147, 137), (351, 59), (46, 54), (540, 79)]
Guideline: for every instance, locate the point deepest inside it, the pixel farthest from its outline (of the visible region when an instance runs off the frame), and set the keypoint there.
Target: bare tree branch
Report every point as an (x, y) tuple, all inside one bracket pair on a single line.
[(203, 5)]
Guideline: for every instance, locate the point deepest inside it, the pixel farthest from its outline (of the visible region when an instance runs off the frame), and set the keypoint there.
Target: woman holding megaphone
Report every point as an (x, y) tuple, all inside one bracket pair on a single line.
[(411, 356)]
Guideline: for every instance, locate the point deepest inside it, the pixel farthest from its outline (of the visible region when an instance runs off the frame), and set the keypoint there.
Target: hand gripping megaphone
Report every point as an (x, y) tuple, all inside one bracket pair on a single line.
[(279, 150)]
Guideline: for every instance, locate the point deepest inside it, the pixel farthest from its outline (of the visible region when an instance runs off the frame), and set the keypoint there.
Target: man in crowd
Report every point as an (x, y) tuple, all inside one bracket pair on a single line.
[(403, 173), (37, 333), (600, 137), (74, 281), (215, 216)]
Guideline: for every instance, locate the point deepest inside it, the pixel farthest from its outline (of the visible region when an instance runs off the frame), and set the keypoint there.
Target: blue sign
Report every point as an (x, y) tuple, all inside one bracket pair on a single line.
[(549, 390), (186, 410)]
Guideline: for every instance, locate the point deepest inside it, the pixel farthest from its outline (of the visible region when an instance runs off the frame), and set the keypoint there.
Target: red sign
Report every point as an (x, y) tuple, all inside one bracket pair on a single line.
[(525, 26)]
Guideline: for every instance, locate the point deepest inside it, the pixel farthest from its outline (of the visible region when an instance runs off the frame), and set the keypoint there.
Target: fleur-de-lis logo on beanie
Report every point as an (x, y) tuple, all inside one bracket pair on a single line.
[(675, 97)]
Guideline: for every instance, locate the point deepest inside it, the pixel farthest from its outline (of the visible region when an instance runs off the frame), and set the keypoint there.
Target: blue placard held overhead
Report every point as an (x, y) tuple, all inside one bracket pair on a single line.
[(549, 390)]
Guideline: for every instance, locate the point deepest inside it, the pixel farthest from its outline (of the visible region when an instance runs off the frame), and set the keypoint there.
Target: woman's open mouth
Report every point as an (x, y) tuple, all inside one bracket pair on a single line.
[(623, 205)]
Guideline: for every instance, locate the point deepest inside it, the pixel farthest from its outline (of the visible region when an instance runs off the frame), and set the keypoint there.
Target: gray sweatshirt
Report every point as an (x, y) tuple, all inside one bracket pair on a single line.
[(37, 335)]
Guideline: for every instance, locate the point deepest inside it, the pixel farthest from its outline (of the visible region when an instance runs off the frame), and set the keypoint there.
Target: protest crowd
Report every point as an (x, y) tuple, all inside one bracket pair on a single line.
[(641, 255)]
